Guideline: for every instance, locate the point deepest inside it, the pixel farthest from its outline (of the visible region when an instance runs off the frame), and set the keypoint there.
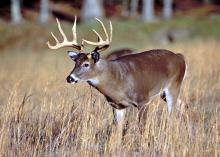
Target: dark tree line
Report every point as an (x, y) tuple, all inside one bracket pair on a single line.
[(95, 8)]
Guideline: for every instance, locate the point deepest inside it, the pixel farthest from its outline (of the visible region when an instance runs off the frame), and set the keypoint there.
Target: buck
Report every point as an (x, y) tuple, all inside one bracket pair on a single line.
[(130, 80)]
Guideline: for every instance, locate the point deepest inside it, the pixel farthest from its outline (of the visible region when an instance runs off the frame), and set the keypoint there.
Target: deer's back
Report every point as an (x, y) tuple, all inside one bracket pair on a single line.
[(153, 60)]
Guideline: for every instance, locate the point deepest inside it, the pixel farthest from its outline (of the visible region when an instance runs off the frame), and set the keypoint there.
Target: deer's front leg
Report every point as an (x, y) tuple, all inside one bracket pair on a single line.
[(117, 130), (118, 116), (142, 117)]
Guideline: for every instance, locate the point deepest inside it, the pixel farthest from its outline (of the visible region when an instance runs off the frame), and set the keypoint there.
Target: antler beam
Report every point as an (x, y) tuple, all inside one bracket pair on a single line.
[(65, 42)]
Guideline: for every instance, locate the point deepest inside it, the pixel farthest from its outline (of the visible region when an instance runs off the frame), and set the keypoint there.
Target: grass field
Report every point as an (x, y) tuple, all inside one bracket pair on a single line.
[(42, 115)]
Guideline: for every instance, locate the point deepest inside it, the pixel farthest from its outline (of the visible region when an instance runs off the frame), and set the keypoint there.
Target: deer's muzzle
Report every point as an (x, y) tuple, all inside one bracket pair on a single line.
[(71, 79)]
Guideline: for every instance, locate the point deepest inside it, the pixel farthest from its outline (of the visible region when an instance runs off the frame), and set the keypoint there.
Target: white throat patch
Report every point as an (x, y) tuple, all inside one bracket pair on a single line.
[(94, 81)]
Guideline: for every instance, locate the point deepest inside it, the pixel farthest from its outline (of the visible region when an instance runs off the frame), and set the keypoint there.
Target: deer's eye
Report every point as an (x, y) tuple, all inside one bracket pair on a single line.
[(86, 65)]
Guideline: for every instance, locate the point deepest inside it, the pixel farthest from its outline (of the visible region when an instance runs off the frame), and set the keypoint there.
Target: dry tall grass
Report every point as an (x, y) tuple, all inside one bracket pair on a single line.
[(41, 115)]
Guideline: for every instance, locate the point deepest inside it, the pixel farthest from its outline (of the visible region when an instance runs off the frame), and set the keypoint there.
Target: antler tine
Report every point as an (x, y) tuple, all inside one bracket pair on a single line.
[(99, 37), (48, 43), (61, 31), (104, 29), (101, 42), (110, 30), (65, 42), (74, 30)]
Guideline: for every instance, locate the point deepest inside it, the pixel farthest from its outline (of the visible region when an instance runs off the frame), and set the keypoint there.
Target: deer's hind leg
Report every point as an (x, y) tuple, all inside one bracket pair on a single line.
[(173, 90), (172, 94)]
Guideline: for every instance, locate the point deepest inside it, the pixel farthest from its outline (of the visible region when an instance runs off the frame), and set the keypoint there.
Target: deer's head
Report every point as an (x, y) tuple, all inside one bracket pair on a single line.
[(86, 64)]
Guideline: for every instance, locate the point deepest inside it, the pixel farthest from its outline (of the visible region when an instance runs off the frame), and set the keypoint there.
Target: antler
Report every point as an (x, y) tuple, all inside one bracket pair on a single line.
[(103, 43), (65, 42)]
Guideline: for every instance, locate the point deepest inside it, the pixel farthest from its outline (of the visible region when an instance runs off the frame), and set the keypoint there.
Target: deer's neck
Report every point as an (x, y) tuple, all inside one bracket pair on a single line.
[(108, 77)]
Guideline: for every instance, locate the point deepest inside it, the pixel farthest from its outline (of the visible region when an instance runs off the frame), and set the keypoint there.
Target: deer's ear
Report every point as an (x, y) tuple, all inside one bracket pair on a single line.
[(95, 56), (73, 55)]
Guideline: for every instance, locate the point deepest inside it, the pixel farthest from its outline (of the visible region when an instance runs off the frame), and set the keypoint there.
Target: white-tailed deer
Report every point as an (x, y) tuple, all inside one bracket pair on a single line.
[(131, 80)]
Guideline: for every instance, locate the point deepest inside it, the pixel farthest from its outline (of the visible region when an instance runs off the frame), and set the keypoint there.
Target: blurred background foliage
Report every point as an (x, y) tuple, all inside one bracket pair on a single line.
[(26, 24)]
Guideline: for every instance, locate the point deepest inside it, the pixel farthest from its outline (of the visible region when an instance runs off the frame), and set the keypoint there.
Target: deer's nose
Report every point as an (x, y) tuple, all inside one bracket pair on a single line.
[(70, 79)]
